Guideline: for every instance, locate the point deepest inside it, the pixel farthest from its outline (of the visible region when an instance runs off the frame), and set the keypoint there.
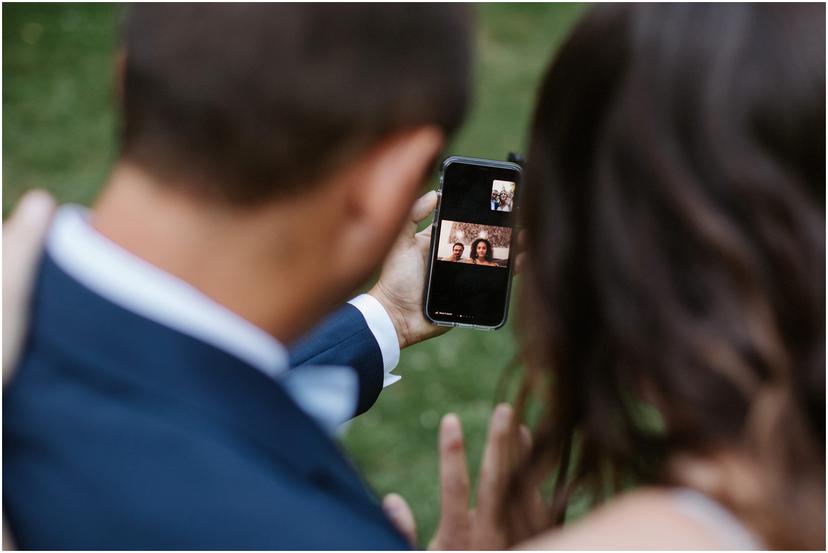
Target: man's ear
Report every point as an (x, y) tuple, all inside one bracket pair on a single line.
[(383, 187), (391, 177)]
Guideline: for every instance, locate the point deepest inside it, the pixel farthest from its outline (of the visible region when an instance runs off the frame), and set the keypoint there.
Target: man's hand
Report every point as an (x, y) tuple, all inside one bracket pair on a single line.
[(23, 236), (402, 281), (461, 528)]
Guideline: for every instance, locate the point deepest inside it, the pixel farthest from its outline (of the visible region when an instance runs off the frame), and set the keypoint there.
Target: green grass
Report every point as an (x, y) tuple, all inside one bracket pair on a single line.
[(58, 117), (395, 443), (59, 134)]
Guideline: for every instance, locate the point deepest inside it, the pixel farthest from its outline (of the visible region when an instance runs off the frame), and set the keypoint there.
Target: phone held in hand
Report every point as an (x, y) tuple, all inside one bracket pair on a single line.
[(472, 239)]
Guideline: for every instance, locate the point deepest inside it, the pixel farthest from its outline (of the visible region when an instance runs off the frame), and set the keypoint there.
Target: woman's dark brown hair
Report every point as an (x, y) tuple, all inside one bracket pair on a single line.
[(674, 294)]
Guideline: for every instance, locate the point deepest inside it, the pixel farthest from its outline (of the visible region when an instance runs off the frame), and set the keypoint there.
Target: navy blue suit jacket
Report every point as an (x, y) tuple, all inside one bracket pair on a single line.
[(121, 433)]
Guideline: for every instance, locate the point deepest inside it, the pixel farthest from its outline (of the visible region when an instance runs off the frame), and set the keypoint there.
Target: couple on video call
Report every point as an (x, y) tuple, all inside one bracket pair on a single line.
[(501, 201), (480, 253), (181, 378)]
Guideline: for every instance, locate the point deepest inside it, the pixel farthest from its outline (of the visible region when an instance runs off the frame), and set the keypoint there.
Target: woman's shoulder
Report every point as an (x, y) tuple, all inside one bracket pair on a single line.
[(649, 518)]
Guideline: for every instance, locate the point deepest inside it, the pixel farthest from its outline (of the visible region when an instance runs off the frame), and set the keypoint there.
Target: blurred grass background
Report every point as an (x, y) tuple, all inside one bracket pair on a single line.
[(59, 133)]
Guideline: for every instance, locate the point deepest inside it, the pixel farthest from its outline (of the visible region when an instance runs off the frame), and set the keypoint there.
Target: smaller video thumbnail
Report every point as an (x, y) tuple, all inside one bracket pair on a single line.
[(503, 195)]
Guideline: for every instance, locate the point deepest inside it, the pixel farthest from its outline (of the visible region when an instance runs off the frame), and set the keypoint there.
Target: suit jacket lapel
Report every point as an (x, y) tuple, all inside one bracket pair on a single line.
[(213, 387)]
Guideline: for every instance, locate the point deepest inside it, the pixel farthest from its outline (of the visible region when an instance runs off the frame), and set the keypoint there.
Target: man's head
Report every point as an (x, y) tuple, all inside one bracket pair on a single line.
[(309, 126), (260, 101), (457, 250)]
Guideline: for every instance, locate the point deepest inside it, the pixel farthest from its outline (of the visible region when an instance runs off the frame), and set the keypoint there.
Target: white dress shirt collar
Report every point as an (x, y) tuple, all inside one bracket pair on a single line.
[(129, 281)]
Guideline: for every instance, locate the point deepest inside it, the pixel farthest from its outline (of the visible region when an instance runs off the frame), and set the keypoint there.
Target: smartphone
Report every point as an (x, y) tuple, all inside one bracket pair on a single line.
[(472, 243)]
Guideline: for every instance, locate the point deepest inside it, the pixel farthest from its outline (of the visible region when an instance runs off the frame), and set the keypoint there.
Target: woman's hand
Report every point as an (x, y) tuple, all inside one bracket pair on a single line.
[(460, 527), (23, 236)]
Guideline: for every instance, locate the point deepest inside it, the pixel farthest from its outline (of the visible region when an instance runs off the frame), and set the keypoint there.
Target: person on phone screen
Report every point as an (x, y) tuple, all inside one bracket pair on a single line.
[(505, 202), (456, 252), (481, 253), (494, 202)]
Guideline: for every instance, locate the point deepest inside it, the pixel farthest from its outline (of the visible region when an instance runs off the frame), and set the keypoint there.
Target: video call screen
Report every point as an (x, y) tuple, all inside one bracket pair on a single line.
[(472, 257)]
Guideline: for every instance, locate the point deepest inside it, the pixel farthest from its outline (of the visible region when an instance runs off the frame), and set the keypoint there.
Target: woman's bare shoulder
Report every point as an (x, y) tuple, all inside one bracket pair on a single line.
[(643, 519)]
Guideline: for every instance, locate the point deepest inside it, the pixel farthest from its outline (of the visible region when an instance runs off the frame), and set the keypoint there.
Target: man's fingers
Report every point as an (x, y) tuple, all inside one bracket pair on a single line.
[(426, 232), (423, 206), (397, 509), (453, 532), (422, 209), (23, 237)]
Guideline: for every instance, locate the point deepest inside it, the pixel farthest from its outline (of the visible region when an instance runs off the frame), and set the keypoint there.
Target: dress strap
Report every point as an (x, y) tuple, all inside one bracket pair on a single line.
[(711, 514)]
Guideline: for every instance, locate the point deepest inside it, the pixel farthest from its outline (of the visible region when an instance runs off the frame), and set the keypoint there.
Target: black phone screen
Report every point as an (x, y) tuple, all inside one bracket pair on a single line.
[(471, 261)]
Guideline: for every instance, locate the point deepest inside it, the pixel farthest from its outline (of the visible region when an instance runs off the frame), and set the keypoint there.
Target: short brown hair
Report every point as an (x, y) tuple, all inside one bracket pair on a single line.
[(253, 102)]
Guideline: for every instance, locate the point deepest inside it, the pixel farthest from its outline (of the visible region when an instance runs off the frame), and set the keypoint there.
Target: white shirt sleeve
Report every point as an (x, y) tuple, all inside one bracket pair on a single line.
[(379, 322)]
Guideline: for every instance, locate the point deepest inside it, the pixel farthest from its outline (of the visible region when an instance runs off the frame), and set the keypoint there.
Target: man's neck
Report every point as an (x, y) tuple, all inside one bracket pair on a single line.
[(250, 261)]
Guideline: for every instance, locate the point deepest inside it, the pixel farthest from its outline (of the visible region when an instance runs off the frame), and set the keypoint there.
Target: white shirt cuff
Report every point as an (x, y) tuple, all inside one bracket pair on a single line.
[(379, 322)]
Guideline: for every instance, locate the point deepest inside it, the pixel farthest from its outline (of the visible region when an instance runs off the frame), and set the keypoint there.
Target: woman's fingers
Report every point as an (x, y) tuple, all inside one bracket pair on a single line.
[(453, 532), (493, 474), (495, 460), (23, 236), (537, 508), (525, 440), (397, 509)]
